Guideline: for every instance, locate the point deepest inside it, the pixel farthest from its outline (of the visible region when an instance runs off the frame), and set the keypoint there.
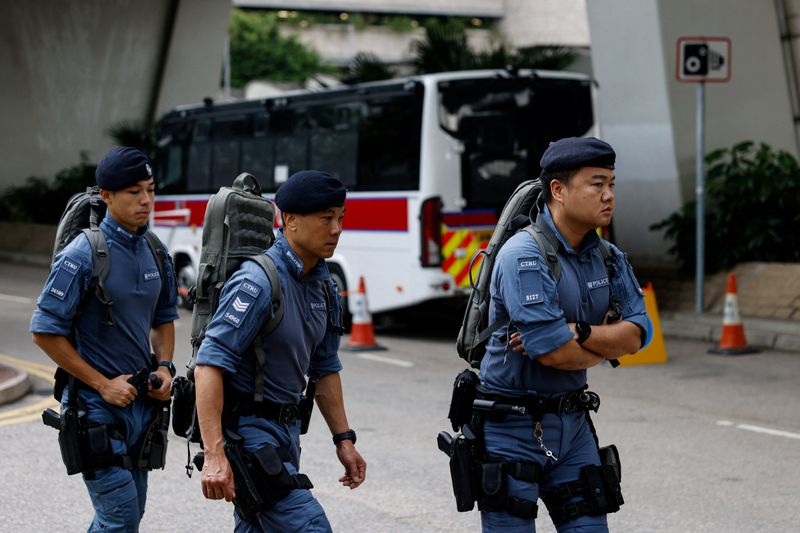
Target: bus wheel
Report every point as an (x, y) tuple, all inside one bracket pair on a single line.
[(338, 277), (186, 280)]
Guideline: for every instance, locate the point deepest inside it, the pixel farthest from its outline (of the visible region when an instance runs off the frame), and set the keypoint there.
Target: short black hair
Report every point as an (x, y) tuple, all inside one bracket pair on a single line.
[(559, 175)]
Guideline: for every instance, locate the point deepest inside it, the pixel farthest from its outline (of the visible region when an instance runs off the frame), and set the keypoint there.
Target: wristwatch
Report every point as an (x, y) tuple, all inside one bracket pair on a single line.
[(169, 366), (347, 435), (583, 329)]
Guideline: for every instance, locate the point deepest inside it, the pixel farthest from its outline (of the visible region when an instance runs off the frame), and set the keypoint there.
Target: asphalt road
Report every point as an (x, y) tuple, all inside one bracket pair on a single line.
[(708, 443)]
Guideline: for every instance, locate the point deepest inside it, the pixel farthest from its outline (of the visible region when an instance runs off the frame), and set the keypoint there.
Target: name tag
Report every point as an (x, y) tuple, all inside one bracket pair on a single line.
[(149, 276)]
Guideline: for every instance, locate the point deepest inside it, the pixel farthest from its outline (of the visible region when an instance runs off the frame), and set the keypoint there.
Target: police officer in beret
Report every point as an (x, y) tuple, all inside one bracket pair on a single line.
[(105, 354), (594, 312), (303, 344)]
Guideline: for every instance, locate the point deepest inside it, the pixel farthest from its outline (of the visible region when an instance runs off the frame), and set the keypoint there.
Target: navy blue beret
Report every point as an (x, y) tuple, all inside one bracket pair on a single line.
[(309, 191), (122, 167), (573, 153)]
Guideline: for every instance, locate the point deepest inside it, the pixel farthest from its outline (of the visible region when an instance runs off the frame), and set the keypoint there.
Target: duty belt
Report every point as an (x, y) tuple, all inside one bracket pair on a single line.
[(579, 400), (284, 413)]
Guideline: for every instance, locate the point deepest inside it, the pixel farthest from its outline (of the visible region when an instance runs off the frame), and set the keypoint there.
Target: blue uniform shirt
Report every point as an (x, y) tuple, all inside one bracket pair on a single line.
[(141, 300), (301, 344), (524, 289)]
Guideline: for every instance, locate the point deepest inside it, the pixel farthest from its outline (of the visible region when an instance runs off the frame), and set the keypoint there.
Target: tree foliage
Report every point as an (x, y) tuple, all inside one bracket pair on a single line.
[(752, 211), (259, 51)]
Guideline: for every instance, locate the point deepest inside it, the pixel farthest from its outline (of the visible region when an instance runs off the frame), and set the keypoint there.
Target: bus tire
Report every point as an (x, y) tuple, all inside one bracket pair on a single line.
[(186, 277), (338, 276)]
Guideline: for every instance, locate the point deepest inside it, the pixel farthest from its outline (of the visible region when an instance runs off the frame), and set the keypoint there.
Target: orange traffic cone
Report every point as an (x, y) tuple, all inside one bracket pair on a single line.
[(732, 341), (362, 334)]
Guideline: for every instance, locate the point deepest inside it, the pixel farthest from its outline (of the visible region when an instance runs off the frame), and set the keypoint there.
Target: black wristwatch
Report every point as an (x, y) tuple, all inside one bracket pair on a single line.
[(169, 366), (347, 435), (583, 329)]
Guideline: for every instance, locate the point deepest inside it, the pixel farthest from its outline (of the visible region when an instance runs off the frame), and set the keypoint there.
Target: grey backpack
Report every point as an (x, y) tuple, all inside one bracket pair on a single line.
[(523, 205)]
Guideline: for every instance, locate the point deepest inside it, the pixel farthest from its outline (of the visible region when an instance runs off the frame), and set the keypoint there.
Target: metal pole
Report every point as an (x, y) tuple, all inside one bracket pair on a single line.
[(700, 190), (226, 90)]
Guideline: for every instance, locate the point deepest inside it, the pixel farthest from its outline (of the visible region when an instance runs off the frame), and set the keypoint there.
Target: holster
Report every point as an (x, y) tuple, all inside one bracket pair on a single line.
[(184, 411), (69, 441), (153, 450), (464, 392), (462, 469), (306, 406), (260, 478)]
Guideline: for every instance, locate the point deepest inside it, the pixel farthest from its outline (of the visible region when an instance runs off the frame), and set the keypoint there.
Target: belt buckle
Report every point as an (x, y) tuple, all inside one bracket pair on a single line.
[(288, 413)]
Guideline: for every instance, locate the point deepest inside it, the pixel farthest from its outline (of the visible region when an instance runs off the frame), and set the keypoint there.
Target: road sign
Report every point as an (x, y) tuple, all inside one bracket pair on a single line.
[(703, 59)]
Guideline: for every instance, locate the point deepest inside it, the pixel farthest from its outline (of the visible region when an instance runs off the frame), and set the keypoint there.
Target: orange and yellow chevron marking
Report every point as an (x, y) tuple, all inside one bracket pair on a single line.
[(458, 248)]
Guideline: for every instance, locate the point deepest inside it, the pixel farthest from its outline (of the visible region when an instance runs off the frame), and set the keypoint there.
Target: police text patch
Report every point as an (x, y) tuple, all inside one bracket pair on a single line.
[(238, 308), (597, 283), (315, 306), (149, 276), (63, 278)]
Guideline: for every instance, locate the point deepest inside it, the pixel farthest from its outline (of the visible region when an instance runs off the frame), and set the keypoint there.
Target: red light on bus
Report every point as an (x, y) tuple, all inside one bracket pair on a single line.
[(431, 232)]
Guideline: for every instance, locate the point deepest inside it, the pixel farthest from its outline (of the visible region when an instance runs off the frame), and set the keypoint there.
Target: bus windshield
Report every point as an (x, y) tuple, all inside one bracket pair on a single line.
[(505, 124)]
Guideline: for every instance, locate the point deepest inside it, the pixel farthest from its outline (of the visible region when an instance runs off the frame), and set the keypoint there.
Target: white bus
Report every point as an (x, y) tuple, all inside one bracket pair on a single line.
[(428, 162)]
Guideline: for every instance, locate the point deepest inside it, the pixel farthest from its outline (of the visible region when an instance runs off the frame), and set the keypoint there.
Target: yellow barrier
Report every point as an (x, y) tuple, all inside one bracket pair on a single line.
[(656, 351)]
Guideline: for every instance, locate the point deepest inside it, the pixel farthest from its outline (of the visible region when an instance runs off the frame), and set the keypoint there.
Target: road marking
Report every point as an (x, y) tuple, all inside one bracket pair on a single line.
[(28, 410), (39, 370), (28, 418), (389, 361), (759, 429), (16, 299), (33, 411)]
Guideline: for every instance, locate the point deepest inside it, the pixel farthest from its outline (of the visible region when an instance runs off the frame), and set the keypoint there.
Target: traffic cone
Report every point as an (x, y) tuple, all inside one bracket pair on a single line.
[(732, 341), (362, 333)]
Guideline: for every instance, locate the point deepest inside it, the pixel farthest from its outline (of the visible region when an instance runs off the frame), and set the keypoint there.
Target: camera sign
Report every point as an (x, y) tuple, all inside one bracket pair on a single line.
[(703, 59)]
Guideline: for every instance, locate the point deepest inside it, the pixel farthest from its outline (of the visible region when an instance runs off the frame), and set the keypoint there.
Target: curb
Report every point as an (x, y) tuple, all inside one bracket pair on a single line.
[(770, 334), (15, 387)]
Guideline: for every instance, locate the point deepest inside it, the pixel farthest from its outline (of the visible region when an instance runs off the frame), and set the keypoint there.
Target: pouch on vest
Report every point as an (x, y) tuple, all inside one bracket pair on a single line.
[(184, 414), (464, 390)]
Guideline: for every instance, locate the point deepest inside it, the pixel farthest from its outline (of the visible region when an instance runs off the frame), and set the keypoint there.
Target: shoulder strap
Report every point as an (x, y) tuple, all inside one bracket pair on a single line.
[(548, 244), (100, 267), (266, 263), (331, 292), (157, 248), (606, 256)]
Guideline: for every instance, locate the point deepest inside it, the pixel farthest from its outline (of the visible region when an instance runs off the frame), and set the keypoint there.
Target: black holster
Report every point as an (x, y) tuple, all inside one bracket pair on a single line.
[(462, 469), (184, 411), (153, 450), (464, 392), (260, 478), (306, 406), (69, 441)]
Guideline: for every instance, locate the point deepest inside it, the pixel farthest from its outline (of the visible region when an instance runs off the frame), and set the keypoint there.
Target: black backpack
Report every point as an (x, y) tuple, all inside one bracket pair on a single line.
[(83, 214), (523, 205)]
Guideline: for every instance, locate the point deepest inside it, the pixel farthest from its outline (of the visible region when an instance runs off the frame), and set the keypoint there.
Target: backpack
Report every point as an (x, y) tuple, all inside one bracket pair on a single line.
[(238, 226), (83, 214), (524, 204)]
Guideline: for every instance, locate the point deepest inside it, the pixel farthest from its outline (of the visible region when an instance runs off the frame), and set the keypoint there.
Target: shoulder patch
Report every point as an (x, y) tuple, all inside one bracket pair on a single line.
[(63, 279), (251, 287), (528, 263), (238, 308), (531, 289)]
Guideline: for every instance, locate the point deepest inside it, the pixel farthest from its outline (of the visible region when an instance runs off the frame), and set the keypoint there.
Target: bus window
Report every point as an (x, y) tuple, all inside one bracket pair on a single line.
[(289, 129), (389, 144), (258, 153), (226, 136), (334, 140)]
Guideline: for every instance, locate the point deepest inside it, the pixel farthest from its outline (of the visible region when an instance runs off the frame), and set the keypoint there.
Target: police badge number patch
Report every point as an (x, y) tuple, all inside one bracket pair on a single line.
[(238, 308), (63, 278), (530, 281)]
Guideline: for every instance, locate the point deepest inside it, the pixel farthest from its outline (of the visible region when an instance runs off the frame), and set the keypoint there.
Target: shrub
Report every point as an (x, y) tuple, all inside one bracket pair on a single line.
[(752, 210)]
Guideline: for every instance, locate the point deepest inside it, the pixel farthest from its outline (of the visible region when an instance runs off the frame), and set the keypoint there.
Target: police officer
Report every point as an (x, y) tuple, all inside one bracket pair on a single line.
[(105, 355), (303, 344), (563, 328)]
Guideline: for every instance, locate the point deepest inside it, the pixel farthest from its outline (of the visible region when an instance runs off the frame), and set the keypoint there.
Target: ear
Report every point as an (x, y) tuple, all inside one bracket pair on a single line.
[(557, 190), (107, 196), (289, 221)]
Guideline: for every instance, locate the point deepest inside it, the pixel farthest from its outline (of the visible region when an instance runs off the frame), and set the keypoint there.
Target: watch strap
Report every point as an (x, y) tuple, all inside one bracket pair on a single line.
[(346, 435)]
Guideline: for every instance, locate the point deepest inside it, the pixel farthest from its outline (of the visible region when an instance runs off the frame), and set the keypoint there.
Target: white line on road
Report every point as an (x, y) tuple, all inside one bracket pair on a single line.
[(759, 429), (389, 361), (16, 299)]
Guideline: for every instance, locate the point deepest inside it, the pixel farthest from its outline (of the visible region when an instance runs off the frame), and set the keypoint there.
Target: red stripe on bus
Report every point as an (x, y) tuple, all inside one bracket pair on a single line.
[(376, 214), (470, 218)]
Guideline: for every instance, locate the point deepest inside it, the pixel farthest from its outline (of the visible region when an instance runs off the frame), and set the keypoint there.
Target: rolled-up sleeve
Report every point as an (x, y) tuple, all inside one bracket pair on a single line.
[(244, 305), (524, 284)]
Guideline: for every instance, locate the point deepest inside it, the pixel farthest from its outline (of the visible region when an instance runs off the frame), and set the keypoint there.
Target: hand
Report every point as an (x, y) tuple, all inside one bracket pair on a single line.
[(118, 391), (355, 468), (162, 393), (571, 326), (217, 477), (515, 342)]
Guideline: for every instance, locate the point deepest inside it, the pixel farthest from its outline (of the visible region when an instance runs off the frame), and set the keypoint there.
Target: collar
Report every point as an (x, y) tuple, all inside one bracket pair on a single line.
[(293, 262), (589, 242), (117, 232)]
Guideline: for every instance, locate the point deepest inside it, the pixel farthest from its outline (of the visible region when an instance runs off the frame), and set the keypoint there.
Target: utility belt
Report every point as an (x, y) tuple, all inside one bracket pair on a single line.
[(260, 478), (480, 478), (238, 404), (86, 446)]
